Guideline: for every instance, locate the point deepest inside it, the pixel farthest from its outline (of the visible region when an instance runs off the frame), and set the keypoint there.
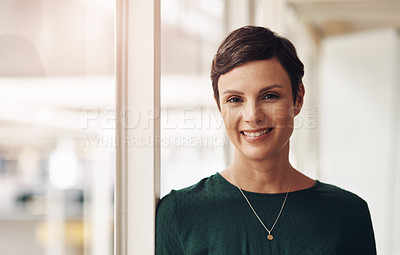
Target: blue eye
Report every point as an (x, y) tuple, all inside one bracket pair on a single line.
[(234, 100)]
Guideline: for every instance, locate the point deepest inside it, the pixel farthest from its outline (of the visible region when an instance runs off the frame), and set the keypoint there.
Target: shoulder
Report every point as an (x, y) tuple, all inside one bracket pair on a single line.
[(197, 192), (175, 214), (201, 188), (178, 208), (333, 206), (352, 213), (334, 192), (341, 199)]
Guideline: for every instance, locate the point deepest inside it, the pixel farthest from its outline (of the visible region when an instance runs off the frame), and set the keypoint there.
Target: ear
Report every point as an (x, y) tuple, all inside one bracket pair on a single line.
[(299, 100)]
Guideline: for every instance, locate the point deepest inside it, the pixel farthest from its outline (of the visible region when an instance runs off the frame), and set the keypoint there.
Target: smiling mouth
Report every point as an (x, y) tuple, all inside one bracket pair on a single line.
[(256, 134)]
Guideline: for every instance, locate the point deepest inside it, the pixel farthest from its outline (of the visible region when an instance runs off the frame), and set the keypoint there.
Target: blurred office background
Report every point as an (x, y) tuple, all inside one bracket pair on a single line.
[(56, 132), (57, 109)]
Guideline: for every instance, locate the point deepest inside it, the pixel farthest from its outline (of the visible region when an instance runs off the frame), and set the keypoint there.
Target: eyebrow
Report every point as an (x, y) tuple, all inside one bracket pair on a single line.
[(269, 87), (232, 91)]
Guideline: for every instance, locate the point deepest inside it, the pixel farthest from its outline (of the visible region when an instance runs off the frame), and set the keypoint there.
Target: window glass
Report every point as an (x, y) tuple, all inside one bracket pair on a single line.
[(56, 127), (193, 140)]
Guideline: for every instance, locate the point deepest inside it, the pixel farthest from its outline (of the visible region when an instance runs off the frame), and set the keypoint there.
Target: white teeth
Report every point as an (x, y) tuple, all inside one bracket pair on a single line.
[(255, 134)]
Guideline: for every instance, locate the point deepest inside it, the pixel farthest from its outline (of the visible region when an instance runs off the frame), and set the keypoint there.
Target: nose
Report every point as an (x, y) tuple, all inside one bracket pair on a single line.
[(254, 114)]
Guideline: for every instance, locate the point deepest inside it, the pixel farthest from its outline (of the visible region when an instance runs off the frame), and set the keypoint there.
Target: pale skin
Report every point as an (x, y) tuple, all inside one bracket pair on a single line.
[(257, 106)]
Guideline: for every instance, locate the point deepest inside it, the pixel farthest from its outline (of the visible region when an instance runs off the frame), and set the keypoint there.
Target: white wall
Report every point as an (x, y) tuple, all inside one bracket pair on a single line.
[(359, 123)]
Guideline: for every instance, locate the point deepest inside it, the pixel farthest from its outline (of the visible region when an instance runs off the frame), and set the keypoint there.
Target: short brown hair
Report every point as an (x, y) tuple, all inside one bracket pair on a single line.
[(252, 43)]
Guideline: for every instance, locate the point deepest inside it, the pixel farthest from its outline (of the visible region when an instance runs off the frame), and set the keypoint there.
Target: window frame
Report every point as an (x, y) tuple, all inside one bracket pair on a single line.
[(137, 178)]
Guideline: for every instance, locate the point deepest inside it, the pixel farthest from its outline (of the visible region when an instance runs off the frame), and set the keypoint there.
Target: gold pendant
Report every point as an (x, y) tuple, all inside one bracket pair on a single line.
[(270, 237)]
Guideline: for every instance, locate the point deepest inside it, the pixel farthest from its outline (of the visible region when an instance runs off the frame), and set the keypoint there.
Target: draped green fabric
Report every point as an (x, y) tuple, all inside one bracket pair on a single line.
[(212, 217)]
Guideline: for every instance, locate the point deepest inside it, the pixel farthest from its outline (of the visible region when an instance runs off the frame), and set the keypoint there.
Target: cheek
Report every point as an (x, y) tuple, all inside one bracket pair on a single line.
[(231, 118), (281, 116)]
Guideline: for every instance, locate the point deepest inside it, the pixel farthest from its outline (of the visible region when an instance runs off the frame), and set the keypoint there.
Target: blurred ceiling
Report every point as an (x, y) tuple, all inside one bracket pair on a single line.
[(333, 17)]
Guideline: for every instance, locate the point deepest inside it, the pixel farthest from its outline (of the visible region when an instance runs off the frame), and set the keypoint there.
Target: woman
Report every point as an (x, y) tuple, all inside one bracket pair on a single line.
[(260, 204)]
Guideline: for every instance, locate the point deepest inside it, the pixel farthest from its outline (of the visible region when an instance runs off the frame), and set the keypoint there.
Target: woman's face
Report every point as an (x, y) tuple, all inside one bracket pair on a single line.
[(257, 107)]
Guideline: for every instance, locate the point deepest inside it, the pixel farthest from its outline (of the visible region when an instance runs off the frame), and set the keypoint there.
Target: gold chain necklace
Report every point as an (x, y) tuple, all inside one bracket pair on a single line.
[(269, 236)]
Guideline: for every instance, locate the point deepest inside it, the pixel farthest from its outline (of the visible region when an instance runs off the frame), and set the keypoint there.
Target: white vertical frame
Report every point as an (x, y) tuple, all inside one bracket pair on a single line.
[(395, 235), (138, 127)]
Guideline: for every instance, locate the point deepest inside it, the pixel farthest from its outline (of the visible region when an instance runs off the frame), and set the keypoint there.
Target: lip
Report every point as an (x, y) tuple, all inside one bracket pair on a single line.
[(253, 139)]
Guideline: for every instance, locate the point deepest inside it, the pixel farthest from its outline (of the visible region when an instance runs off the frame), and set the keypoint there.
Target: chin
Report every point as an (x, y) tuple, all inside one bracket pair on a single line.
[(260, 153), (257, 154)]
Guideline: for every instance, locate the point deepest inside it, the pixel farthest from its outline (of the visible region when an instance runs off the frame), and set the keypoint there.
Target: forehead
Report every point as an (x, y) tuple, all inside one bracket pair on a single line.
[(254, 74)]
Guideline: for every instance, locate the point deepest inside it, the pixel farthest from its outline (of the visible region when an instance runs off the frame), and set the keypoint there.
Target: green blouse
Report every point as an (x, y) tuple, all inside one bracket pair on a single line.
[(212, 217)]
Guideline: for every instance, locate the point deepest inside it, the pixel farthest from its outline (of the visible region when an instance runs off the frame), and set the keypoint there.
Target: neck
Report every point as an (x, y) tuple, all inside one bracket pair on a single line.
[(270, 175)]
